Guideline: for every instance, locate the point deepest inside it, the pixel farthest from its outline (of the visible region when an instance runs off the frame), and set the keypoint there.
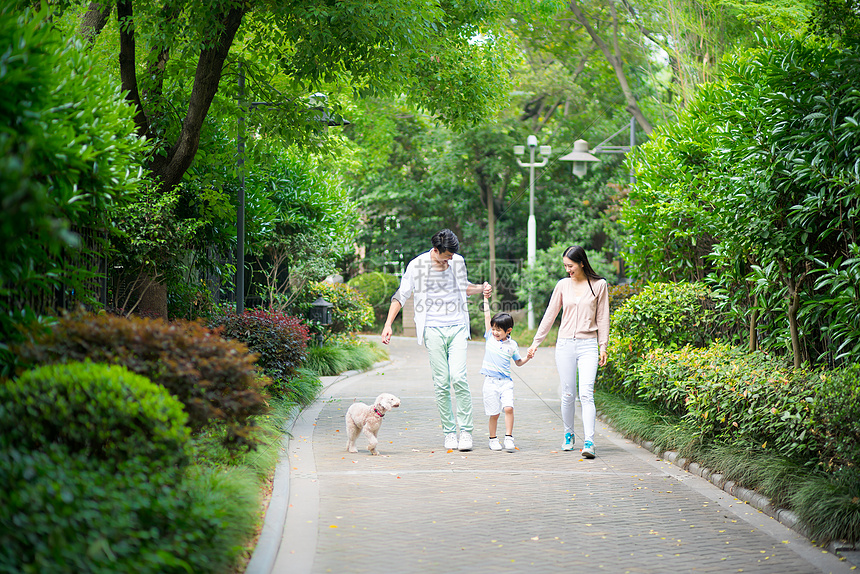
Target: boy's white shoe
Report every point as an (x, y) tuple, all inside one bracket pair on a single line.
[(451, 441), (495, 444), (465, 441), (509, 443)]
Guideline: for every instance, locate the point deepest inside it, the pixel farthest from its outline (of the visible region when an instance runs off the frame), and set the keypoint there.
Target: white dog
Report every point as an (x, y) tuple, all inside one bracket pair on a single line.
[(367, 419)]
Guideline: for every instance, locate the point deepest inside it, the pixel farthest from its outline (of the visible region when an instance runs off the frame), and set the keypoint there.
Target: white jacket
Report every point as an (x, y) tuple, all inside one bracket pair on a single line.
[(413, 283)]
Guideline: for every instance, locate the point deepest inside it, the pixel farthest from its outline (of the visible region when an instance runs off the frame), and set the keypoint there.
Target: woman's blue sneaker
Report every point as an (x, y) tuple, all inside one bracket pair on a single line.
[(588, 450), (568, 441)]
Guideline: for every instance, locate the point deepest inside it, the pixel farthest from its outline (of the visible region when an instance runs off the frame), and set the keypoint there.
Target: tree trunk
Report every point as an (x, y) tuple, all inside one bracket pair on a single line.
[(127, 65), (171, 167), (94, 20), (753, 324), (613, 56), (793, 296)]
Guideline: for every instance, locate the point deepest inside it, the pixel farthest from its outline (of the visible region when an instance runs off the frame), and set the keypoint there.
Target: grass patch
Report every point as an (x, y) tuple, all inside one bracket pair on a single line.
[(236, 485), (338, 356), (828, 505)]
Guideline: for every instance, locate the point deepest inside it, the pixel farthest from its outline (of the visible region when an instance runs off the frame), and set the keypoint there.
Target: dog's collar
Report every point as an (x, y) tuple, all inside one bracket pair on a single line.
[(377, 412)]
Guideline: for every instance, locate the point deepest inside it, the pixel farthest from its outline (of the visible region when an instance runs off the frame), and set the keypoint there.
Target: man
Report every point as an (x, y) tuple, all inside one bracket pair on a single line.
[(438, 281)]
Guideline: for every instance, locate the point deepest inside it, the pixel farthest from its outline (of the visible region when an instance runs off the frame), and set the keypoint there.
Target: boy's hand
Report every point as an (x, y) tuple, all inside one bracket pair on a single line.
[(488, 289)]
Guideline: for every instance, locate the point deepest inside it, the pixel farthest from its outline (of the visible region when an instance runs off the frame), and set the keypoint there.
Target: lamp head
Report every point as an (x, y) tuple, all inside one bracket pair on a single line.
[(580, 157), (531, 141)]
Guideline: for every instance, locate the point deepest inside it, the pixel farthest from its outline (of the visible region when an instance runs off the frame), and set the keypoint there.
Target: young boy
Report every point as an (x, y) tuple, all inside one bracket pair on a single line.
[(496, 368)]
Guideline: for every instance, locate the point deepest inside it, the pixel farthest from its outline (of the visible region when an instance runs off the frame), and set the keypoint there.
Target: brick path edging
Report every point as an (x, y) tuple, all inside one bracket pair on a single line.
[(755, 499), (266, 550)]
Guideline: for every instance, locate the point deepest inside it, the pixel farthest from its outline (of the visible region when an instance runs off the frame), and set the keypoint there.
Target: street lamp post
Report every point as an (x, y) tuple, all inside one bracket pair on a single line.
[(580, 156), (545, 151), (325, 118)]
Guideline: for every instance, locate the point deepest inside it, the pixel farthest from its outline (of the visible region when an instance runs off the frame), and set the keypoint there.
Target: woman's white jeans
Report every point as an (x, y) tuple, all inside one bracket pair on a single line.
[(576, 360)]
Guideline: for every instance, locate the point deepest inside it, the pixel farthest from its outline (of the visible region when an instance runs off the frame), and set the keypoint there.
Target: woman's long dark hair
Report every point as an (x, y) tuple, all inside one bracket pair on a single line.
[(577, 254)]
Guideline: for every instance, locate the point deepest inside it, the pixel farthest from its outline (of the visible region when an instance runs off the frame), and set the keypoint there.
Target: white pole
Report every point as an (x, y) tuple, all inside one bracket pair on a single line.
[(532, 231)]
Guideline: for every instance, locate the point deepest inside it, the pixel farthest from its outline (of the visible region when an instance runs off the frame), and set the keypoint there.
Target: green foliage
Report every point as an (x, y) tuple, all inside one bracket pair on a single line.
[(619, 294), (76, 514), (830, 506), (350, 312), (729, 396), (548, 269), (837, 18), (666, 315), (279, 340), (459, 81), (378, 287), (103, 412), (214, 379), (836, 411), (69, 156), (754, 189)]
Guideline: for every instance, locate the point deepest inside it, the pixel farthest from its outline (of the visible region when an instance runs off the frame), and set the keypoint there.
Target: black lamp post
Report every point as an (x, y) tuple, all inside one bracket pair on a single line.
[(320, 314), (325, 118)]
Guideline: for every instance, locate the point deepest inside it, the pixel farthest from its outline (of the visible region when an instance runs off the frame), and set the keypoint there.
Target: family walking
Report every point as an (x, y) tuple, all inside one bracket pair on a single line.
[(437, 281)]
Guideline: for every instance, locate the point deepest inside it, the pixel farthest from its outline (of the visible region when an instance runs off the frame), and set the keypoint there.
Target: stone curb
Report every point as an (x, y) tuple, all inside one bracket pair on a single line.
[(758, 501), (266, 551)]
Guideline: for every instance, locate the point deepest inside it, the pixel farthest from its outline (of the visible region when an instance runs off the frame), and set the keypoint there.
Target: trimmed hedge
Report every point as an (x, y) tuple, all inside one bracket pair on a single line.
[(63, 512), (667, 315), (279, 340), (215, 380), (102, 412)]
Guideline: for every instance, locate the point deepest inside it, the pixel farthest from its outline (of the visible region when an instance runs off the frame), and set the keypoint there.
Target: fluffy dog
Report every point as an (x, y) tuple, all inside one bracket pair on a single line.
[(367, 419)]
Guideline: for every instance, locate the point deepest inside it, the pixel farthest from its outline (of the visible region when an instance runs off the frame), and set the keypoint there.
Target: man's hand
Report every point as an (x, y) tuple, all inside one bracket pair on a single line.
[(487, 289), (386, 334)]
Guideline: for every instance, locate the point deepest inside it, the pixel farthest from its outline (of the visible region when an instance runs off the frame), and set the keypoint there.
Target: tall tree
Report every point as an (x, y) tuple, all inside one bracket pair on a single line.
[(185, 48)]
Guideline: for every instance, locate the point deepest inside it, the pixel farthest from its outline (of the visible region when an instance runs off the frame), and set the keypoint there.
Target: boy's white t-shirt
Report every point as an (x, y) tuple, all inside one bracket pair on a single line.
[(498, 355)]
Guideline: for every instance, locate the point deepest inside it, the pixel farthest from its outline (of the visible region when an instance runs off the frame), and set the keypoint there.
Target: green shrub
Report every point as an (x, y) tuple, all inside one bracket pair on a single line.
[(619, 294), (836, 412), (279, 340), (732, 396), (104, 412), (69, 157), (662, 315), (667, 315), (63, 512), (378, 287), (215, 380), (350, 312)]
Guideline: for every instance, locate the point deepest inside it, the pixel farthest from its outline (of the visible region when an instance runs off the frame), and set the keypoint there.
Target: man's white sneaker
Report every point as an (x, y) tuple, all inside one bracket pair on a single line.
[(495, 444), (451, 441), (509, 444), (465, 441)]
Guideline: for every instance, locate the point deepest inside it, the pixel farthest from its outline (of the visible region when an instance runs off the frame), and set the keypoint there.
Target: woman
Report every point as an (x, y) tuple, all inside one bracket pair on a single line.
[(583, 298)]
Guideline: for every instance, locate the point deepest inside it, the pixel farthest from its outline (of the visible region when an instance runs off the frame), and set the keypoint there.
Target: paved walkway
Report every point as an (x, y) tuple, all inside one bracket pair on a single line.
[(418, 508)]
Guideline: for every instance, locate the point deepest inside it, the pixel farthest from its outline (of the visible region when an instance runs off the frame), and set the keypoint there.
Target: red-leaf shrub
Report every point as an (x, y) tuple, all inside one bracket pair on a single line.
[(215, 380), (279, 340)]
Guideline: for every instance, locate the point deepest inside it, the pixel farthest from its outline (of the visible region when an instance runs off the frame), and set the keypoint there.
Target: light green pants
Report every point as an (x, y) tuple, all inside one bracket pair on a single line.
[(447, 349)]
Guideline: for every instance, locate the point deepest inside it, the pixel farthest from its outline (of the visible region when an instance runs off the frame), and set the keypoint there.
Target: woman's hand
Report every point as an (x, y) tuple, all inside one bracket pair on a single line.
[(603, 357), (531, 352)]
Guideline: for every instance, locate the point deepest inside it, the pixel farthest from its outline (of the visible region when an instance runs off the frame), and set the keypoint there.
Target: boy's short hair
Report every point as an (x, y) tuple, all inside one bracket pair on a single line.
[(503, 321)]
